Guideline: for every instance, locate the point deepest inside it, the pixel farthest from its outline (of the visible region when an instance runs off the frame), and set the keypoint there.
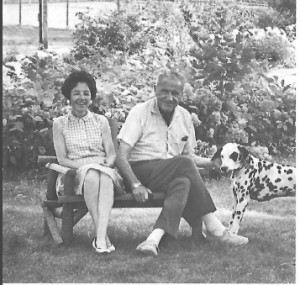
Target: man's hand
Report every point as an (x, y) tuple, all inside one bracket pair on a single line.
[(141, 193)]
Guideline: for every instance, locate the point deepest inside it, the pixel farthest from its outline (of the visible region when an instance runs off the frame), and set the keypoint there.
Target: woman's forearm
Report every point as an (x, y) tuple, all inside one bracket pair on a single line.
[(77, 163)]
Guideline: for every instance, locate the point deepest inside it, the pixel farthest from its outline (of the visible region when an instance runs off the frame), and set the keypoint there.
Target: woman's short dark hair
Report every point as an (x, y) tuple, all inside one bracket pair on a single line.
[(74, 78)]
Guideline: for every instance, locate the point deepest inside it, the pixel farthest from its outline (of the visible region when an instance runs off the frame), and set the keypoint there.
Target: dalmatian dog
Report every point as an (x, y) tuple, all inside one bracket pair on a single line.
[(253, 178)]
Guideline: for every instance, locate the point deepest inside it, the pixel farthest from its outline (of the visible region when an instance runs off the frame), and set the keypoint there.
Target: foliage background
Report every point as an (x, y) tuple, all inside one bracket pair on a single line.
[(224, 50)]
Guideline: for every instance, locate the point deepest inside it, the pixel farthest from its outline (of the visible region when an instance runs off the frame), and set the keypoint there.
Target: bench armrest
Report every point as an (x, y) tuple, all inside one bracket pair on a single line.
[(61, 169), (54, 170)]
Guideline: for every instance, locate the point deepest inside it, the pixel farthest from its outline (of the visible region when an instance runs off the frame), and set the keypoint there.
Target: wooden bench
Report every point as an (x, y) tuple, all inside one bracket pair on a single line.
[(71, 208)]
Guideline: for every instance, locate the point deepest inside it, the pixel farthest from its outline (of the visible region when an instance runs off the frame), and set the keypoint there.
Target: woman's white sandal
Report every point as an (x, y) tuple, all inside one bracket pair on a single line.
[(107, 250)]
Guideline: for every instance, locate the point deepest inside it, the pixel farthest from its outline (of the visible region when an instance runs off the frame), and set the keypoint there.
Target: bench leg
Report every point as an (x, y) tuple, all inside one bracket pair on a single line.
[(52, 225), (46, 231), (67, 223)]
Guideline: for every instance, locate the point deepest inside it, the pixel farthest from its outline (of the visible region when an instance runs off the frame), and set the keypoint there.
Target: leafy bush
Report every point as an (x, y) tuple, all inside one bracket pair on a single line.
[(284, 6), (31, 98), (273, 18), (230, 105), (270, 44), (227, 93), (118, 31)]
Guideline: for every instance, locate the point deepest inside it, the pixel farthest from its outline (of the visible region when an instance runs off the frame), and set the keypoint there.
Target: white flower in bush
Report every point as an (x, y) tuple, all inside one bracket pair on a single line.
[(15, 67), (195, 119), (211, 132), (108, 114), (42, 54)]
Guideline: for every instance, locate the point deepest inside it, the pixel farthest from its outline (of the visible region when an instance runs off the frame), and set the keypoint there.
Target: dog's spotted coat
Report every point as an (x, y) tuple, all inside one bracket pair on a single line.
[(253, 178)]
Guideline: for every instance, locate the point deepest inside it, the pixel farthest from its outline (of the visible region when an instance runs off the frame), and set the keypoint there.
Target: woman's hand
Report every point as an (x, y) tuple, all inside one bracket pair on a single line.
[(110, 162)]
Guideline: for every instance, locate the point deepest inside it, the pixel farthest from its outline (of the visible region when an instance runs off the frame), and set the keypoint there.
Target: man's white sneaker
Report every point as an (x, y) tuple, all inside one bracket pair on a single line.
[(148, 247), (231, 238), (111, 247)]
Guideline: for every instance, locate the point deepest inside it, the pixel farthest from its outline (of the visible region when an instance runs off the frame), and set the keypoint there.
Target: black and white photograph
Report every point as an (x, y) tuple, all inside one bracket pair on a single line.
[(149, 141)]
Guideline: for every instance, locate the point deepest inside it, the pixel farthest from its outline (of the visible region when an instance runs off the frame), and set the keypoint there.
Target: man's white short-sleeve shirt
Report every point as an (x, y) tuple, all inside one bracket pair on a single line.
[(150, 137)]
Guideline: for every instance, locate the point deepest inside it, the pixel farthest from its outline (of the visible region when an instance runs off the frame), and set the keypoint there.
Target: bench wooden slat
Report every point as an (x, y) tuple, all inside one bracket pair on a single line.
[(44, 159), (52, 203), (125, 200)]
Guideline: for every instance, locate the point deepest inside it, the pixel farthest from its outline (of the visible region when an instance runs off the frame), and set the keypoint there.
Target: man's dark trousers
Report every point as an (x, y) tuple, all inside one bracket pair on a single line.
[(186, 194)]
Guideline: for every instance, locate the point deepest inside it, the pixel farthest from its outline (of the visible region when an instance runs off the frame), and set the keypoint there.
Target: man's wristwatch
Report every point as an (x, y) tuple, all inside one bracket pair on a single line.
[(135, 185)]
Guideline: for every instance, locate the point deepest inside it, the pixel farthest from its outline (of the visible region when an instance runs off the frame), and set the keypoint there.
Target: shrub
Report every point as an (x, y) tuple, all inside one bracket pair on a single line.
[(270, 44), (273, 18), (31, 98), (227, 93), (102, 34), (284, 5), (229, 107)]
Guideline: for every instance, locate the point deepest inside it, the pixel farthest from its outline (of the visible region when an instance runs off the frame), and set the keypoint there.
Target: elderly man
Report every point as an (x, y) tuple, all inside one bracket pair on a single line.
[(156, 153)]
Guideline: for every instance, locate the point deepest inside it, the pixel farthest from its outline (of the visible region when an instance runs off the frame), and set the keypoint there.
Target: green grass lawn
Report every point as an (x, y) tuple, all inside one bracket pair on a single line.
[(30, 257)]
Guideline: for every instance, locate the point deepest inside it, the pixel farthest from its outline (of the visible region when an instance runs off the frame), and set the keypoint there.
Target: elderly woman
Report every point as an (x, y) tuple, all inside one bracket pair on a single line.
[(82, 140)]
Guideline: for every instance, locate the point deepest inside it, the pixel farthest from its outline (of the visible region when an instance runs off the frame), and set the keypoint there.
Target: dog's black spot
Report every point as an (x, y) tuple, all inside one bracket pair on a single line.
[(253, 195), (271, 186), (278, 167), (290, 178), (264, 178), (246, 182), (289, 171), (234, 156), (284, 188), (269, 166), (277, 180), (260, 167), (279, 172), (258, 185), (234, 192)]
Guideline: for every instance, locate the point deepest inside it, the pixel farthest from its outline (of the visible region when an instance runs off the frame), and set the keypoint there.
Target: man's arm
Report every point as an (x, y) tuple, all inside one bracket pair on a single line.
[(140, 193), (203, 162)]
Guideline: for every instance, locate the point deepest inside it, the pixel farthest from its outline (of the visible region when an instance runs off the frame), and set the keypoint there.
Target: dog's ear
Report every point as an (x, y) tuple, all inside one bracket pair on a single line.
[(217, 154), (244, 153), (216, 159)]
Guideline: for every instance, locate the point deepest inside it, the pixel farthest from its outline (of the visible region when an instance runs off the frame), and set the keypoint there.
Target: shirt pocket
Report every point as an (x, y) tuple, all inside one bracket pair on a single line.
[(178, 143)]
